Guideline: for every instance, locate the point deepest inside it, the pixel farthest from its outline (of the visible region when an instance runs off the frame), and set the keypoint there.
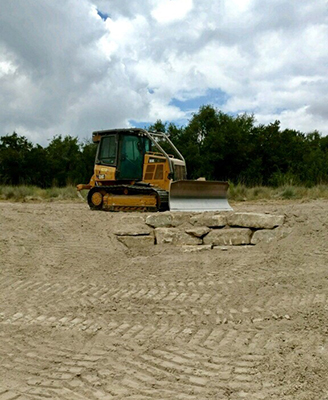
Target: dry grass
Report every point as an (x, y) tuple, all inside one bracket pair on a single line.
[(238, 192), (25, 193), (287, 192)]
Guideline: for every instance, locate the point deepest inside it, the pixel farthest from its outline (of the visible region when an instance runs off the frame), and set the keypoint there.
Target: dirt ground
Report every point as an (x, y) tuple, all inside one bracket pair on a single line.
[(84, 317)]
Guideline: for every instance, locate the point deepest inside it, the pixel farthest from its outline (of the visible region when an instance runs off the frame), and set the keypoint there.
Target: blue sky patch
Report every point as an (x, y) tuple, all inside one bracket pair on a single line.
[(146, 125), (216, 97), (102, 15), (141, 125)]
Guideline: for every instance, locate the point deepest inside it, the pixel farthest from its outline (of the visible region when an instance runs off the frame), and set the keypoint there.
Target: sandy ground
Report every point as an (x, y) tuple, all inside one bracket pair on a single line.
[(83, 317)]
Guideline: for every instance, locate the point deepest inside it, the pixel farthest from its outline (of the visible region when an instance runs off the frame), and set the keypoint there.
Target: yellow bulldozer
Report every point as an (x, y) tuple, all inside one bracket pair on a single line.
[(135, 171)]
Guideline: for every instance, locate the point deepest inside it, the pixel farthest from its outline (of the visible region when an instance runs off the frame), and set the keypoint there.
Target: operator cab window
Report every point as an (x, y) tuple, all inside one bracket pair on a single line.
[(107, 150)]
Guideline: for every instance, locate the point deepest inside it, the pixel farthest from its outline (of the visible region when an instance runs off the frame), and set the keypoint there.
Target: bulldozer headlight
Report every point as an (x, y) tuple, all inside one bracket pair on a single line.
[(101, 176)]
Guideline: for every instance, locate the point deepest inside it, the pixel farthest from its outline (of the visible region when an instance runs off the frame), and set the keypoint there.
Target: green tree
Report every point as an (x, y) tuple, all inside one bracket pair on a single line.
[(14, 150), (87, 160), (64, 160)]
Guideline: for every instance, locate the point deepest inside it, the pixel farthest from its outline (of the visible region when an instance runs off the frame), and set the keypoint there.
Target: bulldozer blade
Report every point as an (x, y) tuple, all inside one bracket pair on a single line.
[(199, 196)]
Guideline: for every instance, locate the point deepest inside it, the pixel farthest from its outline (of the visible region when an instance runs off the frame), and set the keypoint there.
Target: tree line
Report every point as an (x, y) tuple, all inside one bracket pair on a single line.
[(64, 161), (219, 146), (216, 146)]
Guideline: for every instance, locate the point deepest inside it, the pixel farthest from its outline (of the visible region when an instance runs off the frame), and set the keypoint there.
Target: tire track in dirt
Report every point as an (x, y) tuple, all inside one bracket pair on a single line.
[(123, 371), (74, 305), (6, 394), (83, 319)]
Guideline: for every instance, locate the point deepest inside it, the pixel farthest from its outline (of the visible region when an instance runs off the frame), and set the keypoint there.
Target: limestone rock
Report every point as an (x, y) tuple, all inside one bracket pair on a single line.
[(134, 230), (167, 219), (255, 220), (264, 235), (210, 220), (159, 220), (137, 241), (198, 231), (230, 236), (175, 237), (267, 235), (182, 218)]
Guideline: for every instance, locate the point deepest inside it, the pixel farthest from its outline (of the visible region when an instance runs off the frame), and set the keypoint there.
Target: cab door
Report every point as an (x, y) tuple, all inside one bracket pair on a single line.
[(132, 150)]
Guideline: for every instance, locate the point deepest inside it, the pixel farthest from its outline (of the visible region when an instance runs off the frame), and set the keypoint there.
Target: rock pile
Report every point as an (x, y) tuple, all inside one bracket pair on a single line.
[(203, 229)]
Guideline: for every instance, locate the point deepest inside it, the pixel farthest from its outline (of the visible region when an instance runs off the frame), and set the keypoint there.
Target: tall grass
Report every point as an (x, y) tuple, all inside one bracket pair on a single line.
[(241, 192), (25, 193), (237, 192)]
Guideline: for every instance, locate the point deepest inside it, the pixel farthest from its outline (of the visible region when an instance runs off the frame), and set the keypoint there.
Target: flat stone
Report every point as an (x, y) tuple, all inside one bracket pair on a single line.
[(194, 249), (167, 219), (134, 230), (264, 235), (198, 231), (230, 236), (209, 220), (159, 220), (175, 237), (255, 220), (179, 219), (267, 235), (137, 241)]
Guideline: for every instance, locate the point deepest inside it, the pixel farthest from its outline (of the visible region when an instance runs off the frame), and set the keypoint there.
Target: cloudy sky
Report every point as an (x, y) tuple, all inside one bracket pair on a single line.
[(74, 66)]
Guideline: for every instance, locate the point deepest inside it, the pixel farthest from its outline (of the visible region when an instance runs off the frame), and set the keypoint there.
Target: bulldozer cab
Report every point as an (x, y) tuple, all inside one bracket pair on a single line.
[(125, 152)]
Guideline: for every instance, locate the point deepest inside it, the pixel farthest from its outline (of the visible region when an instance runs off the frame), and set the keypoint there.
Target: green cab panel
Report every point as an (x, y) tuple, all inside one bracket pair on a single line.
[(132, 151)]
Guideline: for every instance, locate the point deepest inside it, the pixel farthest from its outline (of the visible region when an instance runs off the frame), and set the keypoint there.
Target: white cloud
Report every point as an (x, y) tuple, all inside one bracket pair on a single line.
[(6, 68), (64, 70), (299, 119), (167, 11)]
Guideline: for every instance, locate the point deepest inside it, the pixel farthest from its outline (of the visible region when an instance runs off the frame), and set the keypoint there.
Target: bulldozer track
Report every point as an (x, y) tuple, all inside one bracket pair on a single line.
[(163, 201)]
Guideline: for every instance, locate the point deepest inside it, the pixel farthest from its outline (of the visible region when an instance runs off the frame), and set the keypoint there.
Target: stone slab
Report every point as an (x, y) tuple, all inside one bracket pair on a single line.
[(209, 220), (167, 219), (230, 236), (175, 237), (255, 220), (159, 220), (134, 230), (264, 235), (198, 231), (179, 219), (267, 235)]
